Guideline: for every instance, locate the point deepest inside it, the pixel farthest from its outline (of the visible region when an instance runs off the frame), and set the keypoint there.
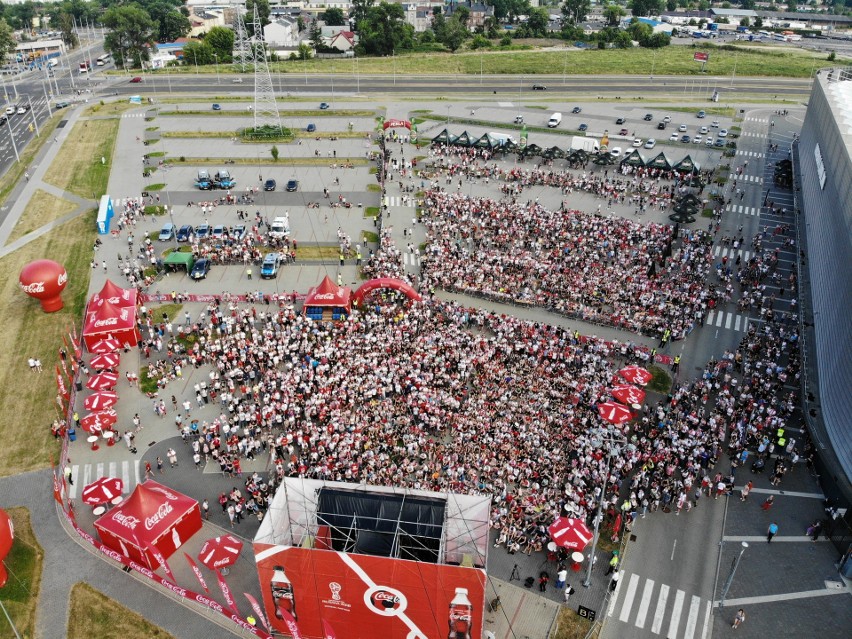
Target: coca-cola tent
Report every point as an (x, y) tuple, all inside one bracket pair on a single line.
[(115, 295), (104, 319), (328, 301), (153, 517)]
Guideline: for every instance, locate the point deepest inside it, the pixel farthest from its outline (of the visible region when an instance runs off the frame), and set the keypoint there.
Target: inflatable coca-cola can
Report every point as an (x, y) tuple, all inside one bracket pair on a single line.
[(44, 280)]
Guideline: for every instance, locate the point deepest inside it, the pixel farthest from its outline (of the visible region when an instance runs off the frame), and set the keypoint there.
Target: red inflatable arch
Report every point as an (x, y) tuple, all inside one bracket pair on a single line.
[(385, 282), (393, 124)]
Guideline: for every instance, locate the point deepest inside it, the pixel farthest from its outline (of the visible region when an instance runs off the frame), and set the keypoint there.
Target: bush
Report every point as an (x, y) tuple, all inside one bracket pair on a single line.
[(505, 41)]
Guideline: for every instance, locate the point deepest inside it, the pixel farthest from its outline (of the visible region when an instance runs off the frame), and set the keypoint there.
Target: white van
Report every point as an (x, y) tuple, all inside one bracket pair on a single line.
[(555, 120), (280, 227)]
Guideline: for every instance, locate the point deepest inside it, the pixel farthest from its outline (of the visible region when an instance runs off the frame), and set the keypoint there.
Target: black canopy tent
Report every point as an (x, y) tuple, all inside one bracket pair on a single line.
[(398, 526), (686, 165), (442, 138), (660, 162), (634, 158), (463, 139), (485, 142)]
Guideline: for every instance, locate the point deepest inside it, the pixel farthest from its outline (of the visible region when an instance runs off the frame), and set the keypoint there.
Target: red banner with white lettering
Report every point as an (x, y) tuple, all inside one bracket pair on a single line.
[(197, 572), (61, 385), (158, 557), (257, 610), (290, 621), (226, 592)]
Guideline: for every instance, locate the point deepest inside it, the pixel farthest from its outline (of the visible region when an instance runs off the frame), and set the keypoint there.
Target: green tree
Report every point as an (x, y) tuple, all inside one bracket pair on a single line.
[(455, 33), (274, 152), (538, 22), (646, 7), (199, 53), (671, 5), (758, 22), (7, 38), (745, 22), (262, 12), (439, 24), (385, 30), (334, 17), (658, 41), (480, 42), (462, 14), (490, 27), (221, 40), (613, 14), (65, 22), (747, 4), (359, 10), (20, 16), (316, 35), (575, 11), (130, 32), (173, 25), (792, 6)]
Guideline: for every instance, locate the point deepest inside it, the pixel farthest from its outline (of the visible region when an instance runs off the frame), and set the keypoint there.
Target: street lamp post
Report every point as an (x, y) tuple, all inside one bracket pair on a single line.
[(730, 578), (12, 137), (216, 56), (609, 439), (32, 113)]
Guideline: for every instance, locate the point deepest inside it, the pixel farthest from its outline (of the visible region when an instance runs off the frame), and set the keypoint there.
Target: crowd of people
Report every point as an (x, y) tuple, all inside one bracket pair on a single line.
[(603, 269)]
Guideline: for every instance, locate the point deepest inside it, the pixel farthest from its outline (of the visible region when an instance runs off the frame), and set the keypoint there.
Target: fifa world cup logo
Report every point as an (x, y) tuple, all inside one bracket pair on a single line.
[(335, 590)]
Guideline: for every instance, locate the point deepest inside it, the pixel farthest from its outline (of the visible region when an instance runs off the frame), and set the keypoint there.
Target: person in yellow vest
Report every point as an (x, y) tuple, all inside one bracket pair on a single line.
[(248, 272), (676, 364)]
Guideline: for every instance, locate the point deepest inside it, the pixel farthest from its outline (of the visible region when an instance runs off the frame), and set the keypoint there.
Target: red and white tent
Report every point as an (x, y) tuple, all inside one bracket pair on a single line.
[(154, 516), (107, 320), (329, 295), (115, 295)]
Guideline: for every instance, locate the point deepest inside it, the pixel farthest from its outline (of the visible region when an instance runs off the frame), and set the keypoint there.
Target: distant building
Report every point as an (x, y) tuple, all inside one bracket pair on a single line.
[(282, 33), (478, 12)]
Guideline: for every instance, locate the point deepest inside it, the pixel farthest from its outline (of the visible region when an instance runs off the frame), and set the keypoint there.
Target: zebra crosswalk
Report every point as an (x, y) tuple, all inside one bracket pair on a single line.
[(731, 253), (744, 210), (754, 179), (398, 200), (749, 154), (410, 259), (759, 120), (128, 471), (688, 616), (133, 115), (726, 320)]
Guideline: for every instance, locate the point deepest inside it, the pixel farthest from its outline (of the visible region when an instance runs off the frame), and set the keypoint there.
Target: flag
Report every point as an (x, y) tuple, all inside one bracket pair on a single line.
[(291, 623), (226, 593), (60, 384), (197, 572), (75, 342), (257, 610), (158, 556)]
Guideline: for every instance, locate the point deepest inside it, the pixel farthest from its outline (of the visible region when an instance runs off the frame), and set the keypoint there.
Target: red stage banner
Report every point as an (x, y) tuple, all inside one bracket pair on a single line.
[(158, 557), (197, 572), (61, 386), (393, 598), (257, 610), (292, 626)]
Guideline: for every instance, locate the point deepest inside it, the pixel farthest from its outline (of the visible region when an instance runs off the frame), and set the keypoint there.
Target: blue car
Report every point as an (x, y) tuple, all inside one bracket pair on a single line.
[(217, 107), (269, 268), (323, 105), (200, 269), (202, 231), (311, 128), (184, 233)]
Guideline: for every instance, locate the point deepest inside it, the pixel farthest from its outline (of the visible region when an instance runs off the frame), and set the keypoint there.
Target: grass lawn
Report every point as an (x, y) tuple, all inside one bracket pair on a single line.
[(199, 134), (155, 187), (93, 614), (570, 625), (77, 167), (661, 382), (369, 236), (24, 564), (16, 171), (316, 252), (171, 310), (42, 208), (111, 108), (29, 332)]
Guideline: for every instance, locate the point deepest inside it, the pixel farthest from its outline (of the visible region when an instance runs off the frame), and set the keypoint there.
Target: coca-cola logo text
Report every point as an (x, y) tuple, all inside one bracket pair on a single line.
[(162, 512), (63, 277), (109, 321), (208, 602), (165, 493), (175, 589), (109, 552), (33, 287), (128, 521), (325, 296), (384, 600)]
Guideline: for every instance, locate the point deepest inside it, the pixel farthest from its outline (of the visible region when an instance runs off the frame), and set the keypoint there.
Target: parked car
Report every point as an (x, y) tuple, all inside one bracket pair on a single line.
[(667, 119), (719, 143), (615, 151), (650, 143), (623, 132), (697, 139), (269, 268), (184, 233), (709, 141), (200, 269), (292, 185), (519, 119), (311, 127), (682, 128), (715, 124), (674, 136), (539, 87), (238, 232), (323, 106), (167, 232), (703, 130), (576, 110), (61, 104), (661, 126), (648, 117), (202, 231), (637, 142), (685, 139), (723, 133), (702, 114), (620, 121), (10, 110), (269, 185), (218, 232), (583, 127), (237, 81), (217, 107), (23, 109), (136, 80)]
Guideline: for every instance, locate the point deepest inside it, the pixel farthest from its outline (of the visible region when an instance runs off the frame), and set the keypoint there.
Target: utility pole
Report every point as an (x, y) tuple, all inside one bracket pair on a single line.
[(734, 565)]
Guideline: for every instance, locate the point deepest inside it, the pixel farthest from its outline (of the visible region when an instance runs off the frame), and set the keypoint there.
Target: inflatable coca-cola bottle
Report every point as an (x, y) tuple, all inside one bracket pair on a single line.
[(461, 615), (282, 593)]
